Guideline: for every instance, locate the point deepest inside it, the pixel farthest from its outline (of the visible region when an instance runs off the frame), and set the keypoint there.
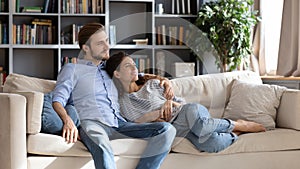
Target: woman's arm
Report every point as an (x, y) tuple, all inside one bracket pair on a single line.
[(164, 114), (149, 117)]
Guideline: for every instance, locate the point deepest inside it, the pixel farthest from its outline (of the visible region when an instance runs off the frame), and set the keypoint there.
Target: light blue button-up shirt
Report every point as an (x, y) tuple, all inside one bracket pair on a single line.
[(92, 91)]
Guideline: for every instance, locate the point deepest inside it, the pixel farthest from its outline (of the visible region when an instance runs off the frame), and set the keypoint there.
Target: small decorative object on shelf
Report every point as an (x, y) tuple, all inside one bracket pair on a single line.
[(140, 41)]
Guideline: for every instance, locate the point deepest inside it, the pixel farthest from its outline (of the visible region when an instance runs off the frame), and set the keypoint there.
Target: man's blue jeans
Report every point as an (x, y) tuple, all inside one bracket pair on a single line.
[(96, 136), (51, 122), (207, 134)]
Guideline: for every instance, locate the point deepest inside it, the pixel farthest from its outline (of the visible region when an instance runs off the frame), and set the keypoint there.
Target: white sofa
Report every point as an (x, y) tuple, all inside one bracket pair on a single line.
[(23, 146)]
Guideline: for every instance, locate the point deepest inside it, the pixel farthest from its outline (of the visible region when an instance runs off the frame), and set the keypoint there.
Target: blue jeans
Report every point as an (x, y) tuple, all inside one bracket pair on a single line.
[(207, 134), (51, 122), (96, 137)]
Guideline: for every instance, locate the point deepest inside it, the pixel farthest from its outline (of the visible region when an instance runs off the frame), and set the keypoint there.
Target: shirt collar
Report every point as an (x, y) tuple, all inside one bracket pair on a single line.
[(102, 65), (85, 62)]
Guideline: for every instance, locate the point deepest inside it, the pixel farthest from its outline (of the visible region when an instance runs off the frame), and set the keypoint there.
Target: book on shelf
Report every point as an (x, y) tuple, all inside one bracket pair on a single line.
[(181, 7), (180, 35), (3, 5), (158, 35), (189, 6), (160, 64), (75, 30), (17, 6), (163, 34), (3, 33), (112, 34), (172, 35), (2, 76), (49, 6), (32, 9), (173, 6)]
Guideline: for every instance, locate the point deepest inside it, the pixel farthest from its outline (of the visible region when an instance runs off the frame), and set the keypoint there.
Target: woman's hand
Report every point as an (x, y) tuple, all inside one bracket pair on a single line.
[(166, 110)]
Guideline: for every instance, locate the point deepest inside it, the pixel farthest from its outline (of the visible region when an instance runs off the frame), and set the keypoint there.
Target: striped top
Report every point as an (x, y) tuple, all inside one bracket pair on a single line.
[(149, 98)]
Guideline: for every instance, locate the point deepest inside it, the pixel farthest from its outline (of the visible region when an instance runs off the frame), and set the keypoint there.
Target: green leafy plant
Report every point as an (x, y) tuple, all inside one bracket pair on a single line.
[(228, 25)]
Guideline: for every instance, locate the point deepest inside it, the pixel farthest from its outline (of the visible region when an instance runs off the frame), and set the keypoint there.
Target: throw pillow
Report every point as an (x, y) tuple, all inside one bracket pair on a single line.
[(51, 122), (254, 102)]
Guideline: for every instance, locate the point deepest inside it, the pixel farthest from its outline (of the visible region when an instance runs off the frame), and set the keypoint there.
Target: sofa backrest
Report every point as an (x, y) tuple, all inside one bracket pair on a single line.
[(211, 90)]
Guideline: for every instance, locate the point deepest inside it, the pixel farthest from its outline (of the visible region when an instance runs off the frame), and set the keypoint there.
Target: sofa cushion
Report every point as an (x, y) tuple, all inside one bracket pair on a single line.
[(48, 144), (32, 88), (272, 140), (288, 115), (17, 82), (211, 90), (254, 102)]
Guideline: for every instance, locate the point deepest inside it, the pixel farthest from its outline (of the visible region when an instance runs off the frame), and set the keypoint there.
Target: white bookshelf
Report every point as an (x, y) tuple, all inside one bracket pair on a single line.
[(45, 60)]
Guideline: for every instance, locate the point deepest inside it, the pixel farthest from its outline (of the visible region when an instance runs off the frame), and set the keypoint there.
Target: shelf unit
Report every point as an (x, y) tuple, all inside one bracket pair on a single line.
[(133, 19)]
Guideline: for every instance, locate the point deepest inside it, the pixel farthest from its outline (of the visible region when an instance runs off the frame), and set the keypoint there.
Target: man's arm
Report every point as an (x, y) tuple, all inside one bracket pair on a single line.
[(164, 82), (70, 132)]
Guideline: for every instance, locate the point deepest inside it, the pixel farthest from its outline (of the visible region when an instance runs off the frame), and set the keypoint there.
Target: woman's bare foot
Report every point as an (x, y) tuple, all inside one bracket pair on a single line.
[(248, 126)]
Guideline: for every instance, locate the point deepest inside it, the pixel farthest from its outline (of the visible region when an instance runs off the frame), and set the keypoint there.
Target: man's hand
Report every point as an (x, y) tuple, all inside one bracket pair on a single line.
[(164, 82), (70, 131), (169, 93)]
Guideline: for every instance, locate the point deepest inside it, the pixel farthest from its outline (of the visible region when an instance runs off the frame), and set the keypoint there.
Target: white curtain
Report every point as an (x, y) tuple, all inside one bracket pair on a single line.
[(289, 56), (266, 37)]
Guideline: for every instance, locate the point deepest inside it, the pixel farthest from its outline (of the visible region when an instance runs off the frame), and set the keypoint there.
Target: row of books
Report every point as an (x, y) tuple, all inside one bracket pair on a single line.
[(82, 6), (171, 35), (3, 33), (69, 59), (142, 62), (180, 7), (70, 36), (38, 32)]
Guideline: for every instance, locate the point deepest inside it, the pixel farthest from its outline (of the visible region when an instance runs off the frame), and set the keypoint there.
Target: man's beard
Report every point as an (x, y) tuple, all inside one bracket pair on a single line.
[(99, 57)]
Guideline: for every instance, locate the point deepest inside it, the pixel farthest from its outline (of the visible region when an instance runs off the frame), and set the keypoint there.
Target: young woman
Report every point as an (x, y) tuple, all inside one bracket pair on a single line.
[(143, 101)]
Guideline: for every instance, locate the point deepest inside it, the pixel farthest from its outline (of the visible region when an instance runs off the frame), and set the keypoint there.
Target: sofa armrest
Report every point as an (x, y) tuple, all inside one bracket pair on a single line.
[(13, 131), (34, 107), (288, 115)]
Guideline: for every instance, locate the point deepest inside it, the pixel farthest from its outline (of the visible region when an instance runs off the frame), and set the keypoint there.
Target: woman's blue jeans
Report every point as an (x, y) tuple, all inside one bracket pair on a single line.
[(207, 134), (96, 137)]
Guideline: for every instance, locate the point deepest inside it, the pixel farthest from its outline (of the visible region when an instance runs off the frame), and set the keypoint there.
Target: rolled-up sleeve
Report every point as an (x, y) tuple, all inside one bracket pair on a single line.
[(64, 84)]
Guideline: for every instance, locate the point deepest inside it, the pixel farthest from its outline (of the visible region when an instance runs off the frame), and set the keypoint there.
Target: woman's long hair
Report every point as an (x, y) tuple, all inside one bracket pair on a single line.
[(112, 64)]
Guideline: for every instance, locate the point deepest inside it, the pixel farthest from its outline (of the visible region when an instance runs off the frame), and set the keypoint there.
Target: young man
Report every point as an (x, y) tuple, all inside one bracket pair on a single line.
[(95, 98)]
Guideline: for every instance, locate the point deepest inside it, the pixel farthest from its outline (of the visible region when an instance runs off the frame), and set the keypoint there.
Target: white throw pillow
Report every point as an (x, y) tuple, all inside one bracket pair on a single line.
[(254, 102)]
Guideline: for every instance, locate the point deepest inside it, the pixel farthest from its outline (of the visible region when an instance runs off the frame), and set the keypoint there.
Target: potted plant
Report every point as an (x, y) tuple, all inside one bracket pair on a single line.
[(228, 25)]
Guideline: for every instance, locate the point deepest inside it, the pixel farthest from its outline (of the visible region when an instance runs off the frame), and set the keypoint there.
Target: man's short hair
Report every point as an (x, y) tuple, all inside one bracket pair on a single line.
[(87, 31)]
